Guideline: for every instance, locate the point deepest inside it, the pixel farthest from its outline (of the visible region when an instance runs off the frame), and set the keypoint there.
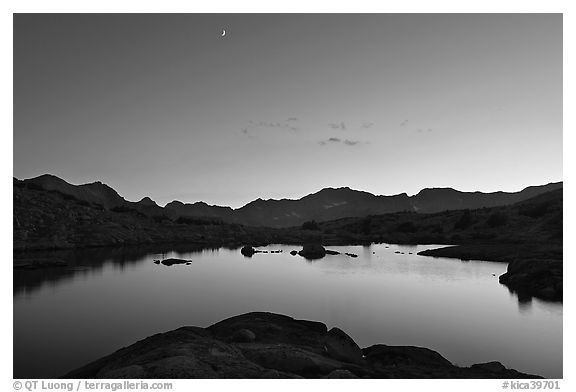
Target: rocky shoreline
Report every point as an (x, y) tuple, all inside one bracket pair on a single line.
[(269, 345), (534, 270)]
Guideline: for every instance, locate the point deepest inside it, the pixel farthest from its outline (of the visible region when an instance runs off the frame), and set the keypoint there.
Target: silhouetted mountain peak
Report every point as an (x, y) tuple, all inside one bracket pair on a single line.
[(146, 201), (326, 204), (174, 203)]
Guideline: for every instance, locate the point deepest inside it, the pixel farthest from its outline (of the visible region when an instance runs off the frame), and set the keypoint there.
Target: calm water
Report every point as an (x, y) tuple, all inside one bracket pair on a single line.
[(112, 298)]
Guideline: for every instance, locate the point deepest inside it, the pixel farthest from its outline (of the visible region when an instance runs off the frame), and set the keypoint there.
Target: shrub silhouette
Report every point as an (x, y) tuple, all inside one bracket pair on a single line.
[(196, 220), (497, 219), (310, 225), (465, 221), (406, 227), (535, 211), (367, 225)]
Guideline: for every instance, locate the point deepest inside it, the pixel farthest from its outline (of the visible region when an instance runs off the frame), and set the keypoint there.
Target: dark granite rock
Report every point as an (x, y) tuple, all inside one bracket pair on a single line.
[(172, 261), (332, 252), (352, 255), (247, 251), (342, 347), (312, 251), (341, 373), (293, 252), (243, 336), (535, 278), (404, 356), (268, 345)]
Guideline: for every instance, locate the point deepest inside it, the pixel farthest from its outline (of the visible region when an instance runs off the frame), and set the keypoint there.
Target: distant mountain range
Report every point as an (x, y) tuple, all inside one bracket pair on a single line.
[(324, 205)]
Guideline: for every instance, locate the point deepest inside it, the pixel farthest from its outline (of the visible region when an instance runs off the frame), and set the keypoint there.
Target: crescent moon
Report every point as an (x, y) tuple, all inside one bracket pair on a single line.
[(223, 32)]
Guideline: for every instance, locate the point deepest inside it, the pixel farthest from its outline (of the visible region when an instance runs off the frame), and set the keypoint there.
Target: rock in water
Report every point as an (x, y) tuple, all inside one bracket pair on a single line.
[(332, 252), (294, 252), (170, 262), (312, 251), (247, 251), (342, 347)]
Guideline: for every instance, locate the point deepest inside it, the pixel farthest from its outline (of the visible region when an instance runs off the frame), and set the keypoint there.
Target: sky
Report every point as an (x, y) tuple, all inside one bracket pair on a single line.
[(283, 105)]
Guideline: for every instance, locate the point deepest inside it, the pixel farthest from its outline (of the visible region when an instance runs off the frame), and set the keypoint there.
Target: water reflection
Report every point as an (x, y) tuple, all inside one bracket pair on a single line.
[(107, 298)]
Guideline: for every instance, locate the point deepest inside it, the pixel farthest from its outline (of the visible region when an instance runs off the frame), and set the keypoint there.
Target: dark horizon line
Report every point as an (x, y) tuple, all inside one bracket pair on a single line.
[(286, 199)]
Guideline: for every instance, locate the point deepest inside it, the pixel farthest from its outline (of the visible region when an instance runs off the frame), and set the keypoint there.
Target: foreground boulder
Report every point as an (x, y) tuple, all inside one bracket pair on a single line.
[(268, 345), (312, 251), (342, 347)]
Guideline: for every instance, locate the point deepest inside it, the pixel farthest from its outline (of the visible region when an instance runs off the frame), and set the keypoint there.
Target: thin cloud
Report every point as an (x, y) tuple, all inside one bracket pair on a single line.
[(289, 125), (337, 140), (367, 125), (420, 130), (245, 132), (403, 123), (340, 125)]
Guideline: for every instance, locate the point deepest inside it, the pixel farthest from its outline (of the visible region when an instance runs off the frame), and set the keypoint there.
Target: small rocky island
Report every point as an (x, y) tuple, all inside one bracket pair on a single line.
[(269, 345)]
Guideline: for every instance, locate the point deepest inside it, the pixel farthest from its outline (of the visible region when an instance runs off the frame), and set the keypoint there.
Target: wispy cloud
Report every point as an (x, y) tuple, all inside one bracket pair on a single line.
[(367, 125), (341, 125), (291, 125), (245, 132), (420, 130), (403, 123), (337, 140)]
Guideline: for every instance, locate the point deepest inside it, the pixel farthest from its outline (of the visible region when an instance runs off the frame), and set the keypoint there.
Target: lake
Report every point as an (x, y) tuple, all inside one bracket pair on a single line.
[(110, 298)]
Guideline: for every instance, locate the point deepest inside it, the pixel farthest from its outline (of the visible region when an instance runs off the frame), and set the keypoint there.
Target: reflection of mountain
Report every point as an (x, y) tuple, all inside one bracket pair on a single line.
[(326, 204), (84, 261)]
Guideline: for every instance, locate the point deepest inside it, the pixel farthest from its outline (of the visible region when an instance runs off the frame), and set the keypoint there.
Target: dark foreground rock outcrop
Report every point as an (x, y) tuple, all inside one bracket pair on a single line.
[(268, 345)]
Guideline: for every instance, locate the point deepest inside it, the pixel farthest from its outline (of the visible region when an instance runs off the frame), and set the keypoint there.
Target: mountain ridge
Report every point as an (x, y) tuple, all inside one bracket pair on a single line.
[(326, 204)]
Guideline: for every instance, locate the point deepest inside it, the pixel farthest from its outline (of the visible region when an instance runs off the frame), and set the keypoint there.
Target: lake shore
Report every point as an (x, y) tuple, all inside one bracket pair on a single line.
[(534, 270)]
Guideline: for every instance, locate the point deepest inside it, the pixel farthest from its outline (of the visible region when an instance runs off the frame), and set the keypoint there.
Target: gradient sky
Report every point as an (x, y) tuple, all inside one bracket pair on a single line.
[(284, 105)]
